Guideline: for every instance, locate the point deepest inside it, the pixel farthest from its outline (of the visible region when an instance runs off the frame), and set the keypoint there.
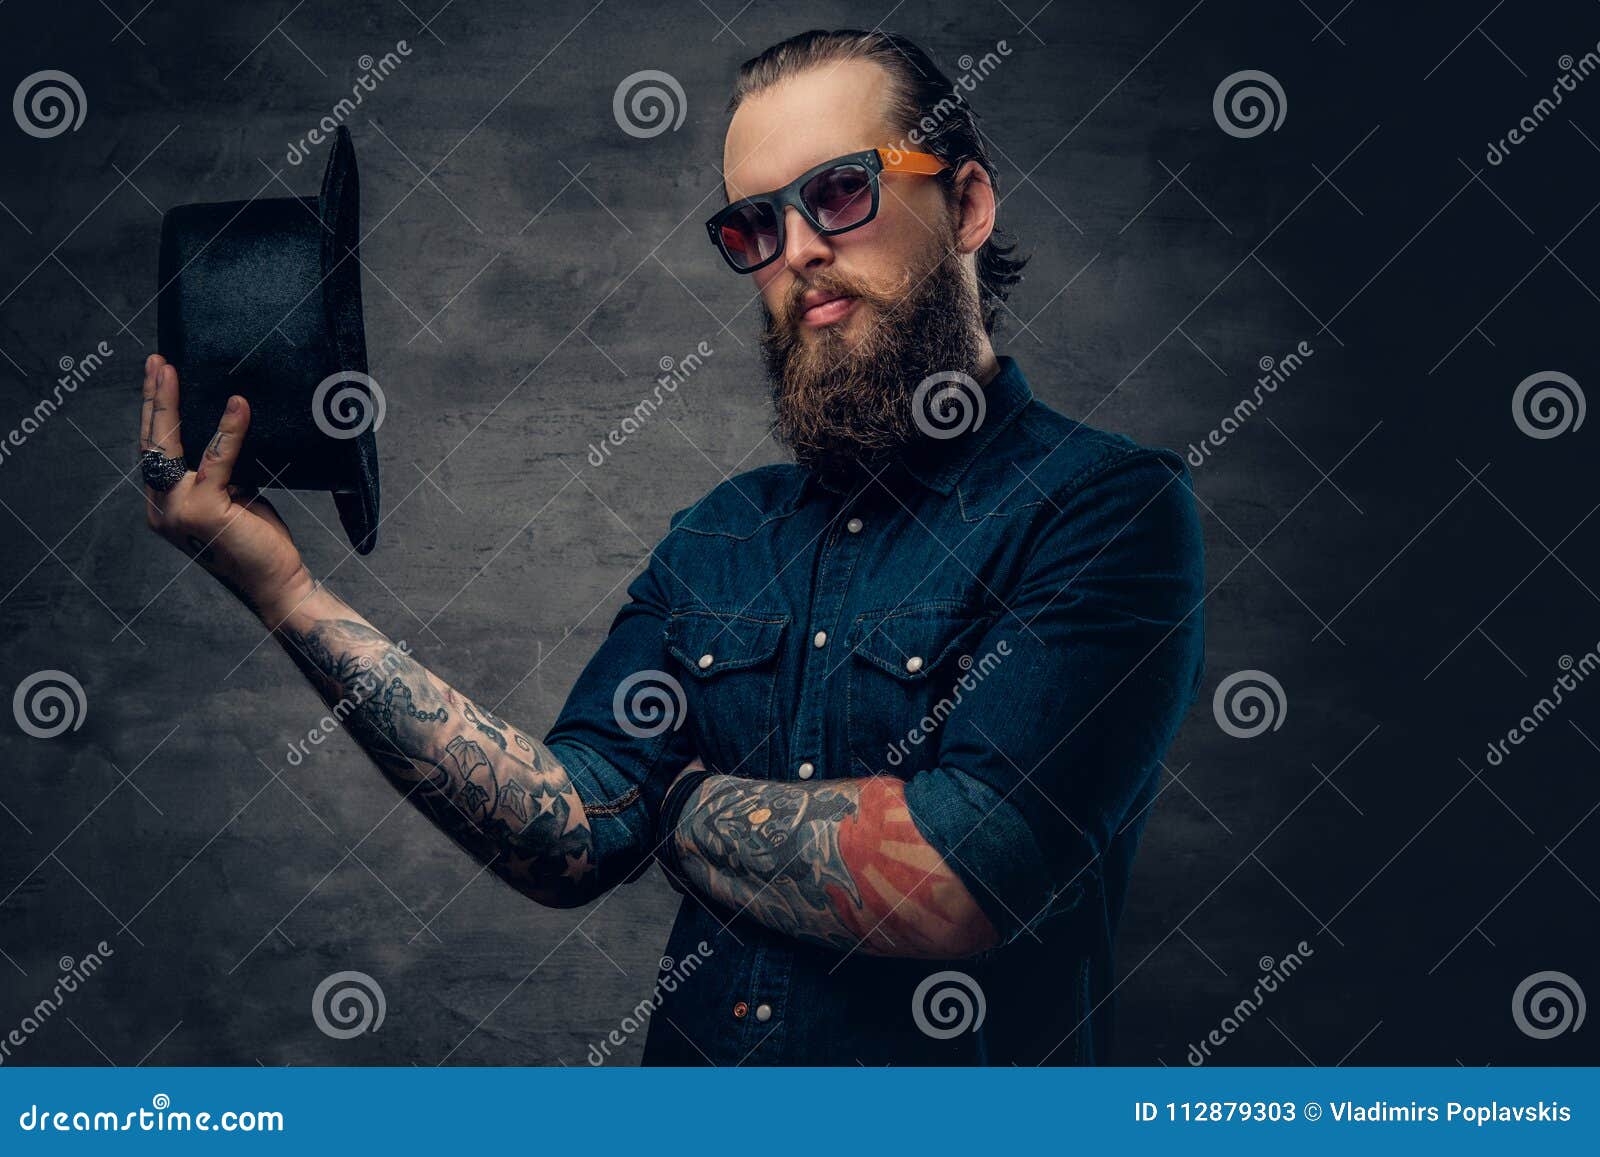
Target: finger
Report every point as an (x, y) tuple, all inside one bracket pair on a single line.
[(152, 367), (216, 464), (164, 432)]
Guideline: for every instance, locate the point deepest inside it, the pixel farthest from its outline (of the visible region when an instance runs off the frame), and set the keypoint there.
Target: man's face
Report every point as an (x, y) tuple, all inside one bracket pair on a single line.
[(853, 321)]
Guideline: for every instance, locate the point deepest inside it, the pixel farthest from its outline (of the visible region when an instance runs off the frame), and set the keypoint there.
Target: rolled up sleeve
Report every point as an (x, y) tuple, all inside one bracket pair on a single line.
[(614, 747), (1095, 660)]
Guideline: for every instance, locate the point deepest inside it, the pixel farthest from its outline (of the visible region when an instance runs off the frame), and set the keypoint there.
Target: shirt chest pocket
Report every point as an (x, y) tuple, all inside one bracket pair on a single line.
[(908, 667), (728, 664)]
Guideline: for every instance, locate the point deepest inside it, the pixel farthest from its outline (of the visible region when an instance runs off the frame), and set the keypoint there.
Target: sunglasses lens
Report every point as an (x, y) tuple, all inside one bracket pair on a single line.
[(840, 197), (749, 235)]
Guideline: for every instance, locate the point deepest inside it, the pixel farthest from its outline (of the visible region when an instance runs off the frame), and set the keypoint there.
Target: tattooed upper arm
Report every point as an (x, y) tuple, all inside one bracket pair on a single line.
[(501, 795)]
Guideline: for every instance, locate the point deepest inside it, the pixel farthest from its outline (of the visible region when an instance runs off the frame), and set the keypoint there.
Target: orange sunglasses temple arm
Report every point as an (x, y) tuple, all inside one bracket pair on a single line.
[(896, 161)]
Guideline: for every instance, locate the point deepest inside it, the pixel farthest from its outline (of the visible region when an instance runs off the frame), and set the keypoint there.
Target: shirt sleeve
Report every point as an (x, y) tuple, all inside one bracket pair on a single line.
[(621, 729), (1090, 670)]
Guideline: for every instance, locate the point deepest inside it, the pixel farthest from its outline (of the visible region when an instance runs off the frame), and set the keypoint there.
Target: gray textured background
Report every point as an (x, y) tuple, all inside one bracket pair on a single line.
[(1413, 605)]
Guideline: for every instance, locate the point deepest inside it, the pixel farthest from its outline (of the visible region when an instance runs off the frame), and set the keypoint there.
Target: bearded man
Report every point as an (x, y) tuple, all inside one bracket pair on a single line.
[(891, 717)]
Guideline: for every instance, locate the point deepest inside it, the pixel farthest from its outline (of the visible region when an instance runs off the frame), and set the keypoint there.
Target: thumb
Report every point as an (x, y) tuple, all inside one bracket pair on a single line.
[(216, 464)]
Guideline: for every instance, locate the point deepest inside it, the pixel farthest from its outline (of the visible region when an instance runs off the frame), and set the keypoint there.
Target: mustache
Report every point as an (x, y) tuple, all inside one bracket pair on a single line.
[(884, 298)]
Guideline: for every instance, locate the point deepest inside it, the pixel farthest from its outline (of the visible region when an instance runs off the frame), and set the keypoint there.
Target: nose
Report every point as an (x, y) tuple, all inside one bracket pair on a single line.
[(804, 249)]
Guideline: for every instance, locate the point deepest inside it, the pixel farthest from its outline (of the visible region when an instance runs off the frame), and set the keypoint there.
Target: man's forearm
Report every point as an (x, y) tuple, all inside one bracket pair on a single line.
[(500, 794), (839, 864)]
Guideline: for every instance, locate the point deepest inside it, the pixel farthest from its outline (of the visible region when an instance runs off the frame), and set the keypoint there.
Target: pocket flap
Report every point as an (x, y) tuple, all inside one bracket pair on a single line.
[(910, 643), (708, 643)]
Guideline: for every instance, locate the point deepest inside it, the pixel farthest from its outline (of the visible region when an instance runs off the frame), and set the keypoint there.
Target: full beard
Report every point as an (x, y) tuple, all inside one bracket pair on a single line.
[(843, 402)]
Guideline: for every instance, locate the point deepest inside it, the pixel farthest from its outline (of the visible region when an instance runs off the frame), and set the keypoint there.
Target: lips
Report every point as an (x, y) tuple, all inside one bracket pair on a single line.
[(820, 309)]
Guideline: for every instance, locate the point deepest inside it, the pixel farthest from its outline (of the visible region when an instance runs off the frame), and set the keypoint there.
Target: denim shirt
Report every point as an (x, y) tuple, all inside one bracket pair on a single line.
[(1009, 621)]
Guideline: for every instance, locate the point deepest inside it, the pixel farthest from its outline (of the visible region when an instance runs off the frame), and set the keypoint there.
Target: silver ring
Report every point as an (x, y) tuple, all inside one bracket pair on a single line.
[(161, 473)]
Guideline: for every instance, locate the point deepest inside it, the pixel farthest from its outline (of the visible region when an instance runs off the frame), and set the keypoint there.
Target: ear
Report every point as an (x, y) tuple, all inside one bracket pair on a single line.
[(975, 207)]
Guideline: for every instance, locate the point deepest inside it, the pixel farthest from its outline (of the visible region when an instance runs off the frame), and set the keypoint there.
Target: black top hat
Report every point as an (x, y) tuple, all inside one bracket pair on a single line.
[(263, 298)]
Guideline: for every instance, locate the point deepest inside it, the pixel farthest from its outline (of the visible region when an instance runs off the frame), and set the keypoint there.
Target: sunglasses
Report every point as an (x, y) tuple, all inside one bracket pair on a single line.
[(835, 197)]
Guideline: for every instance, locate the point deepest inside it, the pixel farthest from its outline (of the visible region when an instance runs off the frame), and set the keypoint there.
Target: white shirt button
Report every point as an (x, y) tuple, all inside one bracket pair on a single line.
[(806, 770), (853, 526), (820, 639), (913, 664), (706, 660), (763, 1012)]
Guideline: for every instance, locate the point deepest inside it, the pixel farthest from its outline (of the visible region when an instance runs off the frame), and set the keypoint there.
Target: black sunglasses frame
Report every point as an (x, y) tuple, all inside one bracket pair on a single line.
[(789, 195)]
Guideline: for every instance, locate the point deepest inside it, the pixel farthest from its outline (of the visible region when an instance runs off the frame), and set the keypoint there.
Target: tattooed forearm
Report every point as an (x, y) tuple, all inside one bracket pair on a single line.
[(501, 795), (839, 864)]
